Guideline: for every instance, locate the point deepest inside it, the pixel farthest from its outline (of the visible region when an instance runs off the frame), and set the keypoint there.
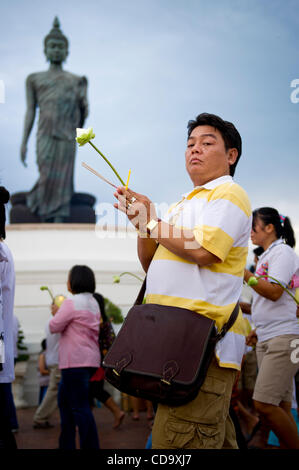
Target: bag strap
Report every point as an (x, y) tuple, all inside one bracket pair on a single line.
[(140, 296), (227, 326)]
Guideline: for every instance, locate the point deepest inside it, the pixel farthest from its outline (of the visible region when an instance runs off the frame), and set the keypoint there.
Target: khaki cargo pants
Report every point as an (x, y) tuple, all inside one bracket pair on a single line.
[(203, 423)]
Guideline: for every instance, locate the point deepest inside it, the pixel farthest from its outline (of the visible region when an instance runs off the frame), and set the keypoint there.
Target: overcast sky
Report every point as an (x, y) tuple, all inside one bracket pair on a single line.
[(151, 66)]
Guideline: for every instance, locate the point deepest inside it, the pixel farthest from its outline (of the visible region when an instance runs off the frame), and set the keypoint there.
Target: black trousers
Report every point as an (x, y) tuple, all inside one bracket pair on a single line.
[(7, 438)]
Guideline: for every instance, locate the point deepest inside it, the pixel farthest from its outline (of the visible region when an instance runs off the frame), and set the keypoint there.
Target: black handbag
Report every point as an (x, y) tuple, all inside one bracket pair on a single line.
[(162, 353)]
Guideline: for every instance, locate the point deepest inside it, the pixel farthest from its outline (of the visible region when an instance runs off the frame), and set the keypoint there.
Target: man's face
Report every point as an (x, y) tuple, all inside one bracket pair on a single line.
[(206, 157), (56, 51)]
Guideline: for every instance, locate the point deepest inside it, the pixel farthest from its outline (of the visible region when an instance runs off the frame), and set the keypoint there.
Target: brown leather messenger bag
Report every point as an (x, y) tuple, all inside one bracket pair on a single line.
[(162, 353)]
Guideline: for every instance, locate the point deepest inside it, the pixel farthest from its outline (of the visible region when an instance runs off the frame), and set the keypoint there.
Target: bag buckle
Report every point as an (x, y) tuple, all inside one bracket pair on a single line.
[(170, 370), (221, 333), (165, 382), (122, 363)]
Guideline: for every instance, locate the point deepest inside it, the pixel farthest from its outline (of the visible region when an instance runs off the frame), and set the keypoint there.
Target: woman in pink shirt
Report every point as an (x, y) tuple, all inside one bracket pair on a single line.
[(77, 320)]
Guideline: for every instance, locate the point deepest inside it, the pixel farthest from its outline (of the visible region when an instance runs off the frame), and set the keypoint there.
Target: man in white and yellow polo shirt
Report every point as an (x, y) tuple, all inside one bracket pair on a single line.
[(198, 264)]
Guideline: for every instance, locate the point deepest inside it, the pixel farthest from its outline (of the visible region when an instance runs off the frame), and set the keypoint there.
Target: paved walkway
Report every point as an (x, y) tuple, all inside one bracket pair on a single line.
[(130, 435)]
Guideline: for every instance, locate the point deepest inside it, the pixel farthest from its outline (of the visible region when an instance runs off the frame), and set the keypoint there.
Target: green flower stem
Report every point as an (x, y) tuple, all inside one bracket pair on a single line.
[(106, 160), (47, 288), (131, 274), (284, 288)]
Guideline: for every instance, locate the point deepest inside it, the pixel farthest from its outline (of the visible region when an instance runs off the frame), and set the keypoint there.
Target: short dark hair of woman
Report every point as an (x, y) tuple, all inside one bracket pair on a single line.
[(230, 135), (82, 279), (4, 198), (282, 225)]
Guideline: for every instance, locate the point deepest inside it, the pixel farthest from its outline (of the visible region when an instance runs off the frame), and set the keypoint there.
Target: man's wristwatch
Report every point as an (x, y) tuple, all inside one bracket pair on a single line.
[(151, 225)]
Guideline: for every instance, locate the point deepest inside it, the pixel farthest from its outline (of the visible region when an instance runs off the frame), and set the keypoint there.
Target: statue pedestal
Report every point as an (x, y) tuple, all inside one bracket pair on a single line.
[(44, 254), (81, 211)]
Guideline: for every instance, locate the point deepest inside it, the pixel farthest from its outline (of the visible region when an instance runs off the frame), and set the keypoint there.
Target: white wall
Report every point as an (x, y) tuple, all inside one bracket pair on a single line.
[(43, 255)]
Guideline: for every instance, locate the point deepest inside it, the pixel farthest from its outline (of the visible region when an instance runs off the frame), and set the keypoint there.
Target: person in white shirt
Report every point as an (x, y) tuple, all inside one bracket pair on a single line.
[(249, 367), (7, 289), (273, 441), (49, 403), (9, 395), (277, 328)]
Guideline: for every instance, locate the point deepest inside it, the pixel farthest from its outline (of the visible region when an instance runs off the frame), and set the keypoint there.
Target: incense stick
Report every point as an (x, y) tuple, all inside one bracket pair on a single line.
[(98, 174), (128, 179)]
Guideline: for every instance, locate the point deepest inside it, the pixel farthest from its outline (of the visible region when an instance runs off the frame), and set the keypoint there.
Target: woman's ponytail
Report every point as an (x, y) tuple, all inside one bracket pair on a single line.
[(288, 232)]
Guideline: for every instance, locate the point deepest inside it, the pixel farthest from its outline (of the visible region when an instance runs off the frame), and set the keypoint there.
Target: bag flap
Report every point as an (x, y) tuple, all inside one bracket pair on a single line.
[(161, 341)]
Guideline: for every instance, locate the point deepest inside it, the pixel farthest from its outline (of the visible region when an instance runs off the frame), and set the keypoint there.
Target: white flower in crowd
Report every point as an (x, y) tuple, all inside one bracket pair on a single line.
[(84, 135), (59, 299)]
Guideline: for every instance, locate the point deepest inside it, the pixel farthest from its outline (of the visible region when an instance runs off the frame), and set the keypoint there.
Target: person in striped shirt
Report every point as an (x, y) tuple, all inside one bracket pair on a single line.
[(195, 258)]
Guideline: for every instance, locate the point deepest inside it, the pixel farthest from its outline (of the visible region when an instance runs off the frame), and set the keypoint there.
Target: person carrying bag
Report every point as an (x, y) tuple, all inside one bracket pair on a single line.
[(194, 261)]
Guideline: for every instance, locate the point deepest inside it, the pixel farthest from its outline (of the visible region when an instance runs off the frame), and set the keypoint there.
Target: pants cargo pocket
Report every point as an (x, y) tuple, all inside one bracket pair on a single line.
[(201, 423), (208, 437), (207, 408), (179, 434)]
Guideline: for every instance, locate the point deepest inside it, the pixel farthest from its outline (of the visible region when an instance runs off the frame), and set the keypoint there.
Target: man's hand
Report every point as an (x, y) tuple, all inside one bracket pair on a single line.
[(23, 154), (139, 209)]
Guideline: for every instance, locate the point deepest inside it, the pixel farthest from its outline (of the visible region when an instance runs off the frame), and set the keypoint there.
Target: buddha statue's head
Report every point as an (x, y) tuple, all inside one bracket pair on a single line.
[(56, 44)]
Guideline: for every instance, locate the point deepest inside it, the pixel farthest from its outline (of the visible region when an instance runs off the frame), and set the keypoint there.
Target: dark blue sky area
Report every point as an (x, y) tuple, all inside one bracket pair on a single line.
[(151, 66)]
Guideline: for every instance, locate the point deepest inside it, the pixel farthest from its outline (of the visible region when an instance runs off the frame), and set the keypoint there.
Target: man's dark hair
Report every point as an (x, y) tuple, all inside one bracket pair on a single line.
[(230, 135), (82, 279)]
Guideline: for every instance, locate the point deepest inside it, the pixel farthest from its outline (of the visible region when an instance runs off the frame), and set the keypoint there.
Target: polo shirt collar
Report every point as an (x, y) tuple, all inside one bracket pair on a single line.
[(210, 185), (279, 241)]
